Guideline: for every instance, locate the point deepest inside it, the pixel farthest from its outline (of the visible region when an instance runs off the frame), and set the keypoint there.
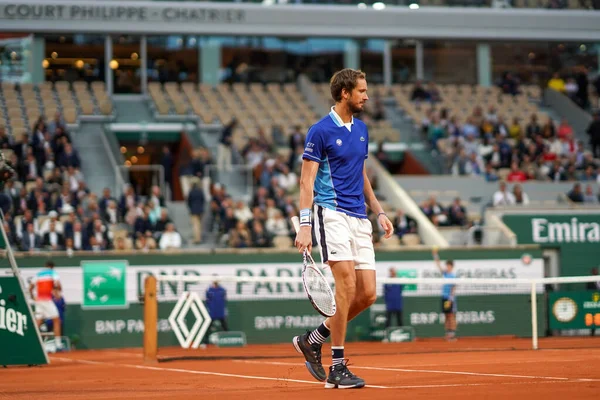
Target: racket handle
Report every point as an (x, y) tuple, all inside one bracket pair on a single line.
[(296, 223)]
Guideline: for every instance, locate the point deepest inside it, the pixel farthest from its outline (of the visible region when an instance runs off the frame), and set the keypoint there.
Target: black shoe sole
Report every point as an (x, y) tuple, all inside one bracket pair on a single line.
[(309, 367)]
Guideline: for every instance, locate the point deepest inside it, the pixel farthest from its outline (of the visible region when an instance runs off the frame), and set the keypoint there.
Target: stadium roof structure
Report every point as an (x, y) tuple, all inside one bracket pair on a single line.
[(235, 19)]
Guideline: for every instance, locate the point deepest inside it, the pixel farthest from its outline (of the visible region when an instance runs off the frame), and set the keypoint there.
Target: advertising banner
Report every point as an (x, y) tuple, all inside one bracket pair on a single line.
[(574, 310)]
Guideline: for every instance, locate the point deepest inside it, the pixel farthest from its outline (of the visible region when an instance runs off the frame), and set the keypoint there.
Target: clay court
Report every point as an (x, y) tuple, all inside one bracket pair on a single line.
[(498, 368)]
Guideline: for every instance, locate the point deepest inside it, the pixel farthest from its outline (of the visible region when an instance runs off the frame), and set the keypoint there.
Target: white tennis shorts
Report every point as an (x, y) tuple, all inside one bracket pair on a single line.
[(46, 309), (341, 237)]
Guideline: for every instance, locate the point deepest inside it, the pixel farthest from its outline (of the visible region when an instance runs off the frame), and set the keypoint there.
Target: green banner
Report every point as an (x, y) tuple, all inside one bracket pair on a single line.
[(574, 310), (104, 284), (19, 341), (577, 236), (277, 321)]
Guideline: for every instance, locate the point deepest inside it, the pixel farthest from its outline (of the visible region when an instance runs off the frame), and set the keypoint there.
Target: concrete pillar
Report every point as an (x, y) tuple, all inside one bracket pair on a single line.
[(36, 53), (484, 64), (144, 64), (419, 60), (209, 63), (387, 63), (108, 56), (351, 54)]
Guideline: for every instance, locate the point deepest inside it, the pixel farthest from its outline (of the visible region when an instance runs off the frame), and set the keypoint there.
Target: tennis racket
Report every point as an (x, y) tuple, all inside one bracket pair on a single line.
[(315, 284)]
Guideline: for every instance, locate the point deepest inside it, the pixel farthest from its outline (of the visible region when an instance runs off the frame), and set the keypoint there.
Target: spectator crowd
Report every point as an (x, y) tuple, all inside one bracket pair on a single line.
[(48, 206)]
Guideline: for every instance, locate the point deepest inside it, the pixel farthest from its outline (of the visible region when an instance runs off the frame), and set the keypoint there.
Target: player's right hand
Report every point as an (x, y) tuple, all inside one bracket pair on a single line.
[(304, 239)]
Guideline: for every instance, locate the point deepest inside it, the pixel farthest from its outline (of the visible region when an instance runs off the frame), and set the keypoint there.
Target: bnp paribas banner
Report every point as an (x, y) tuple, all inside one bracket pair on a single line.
[(577, 235), (115, 284), (103, 308)]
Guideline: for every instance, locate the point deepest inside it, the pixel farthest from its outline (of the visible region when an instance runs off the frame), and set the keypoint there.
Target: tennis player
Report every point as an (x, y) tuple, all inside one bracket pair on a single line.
[(333, 167), (448, 296), (44, 283)]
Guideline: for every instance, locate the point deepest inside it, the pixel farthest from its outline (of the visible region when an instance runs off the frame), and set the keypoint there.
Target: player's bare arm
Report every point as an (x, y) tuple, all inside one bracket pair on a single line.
[(307, 182), (374, 205)]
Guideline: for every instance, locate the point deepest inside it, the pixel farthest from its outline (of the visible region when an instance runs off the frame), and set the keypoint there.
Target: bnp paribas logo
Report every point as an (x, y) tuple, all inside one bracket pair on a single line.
[(104, 284), (11, 320)]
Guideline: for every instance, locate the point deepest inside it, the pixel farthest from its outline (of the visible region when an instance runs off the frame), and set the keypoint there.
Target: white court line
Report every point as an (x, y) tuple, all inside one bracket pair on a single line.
[(187, 371), (422, 370), (308, 382)]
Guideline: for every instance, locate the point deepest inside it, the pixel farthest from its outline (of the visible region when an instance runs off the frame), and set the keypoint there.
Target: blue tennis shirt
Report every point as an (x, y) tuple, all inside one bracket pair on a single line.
[(447, 288), (341, 155)]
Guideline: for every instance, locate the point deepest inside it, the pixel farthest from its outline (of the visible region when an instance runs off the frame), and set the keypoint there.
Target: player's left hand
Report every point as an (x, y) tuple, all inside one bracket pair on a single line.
[(387, 225)]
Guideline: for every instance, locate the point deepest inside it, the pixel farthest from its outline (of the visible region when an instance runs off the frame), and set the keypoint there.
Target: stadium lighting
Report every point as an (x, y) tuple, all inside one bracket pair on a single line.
[(378, 6), (413, 6), (362, 6)]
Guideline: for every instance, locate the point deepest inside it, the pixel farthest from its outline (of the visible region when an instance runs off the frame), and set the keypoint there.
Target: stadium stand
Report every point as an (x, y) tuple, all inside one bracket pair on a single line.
[(21, 105)]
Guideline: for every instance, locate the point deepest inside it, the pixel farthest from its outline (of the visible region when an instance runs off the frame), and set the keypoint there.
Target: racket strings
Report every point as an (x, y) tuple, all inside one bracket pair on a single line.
[(319, 290)]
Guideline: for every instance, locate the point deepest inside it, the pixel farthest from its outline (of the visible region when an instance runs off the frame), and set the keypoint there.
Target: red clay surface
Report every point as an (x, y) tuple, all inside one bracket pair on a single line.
[(491, 368)]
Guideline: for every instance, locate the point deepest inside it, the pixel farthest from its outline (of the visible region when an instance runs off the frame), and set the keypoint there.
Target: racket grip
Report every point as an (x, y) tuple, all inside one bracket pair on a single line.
[(296, 223)]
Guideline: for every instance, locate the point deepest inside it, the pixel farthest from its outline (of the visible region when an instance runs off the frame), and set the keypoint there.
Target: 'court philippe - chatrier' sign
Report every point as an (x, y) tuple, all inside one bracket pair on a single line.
[(115, 12)]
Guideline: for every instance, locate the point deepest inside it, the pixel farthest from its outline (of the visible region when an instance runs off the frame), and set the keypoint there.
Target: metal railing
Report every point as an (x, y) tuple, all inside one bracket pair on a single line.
[(158, 176), (237, 179), (119, 178)]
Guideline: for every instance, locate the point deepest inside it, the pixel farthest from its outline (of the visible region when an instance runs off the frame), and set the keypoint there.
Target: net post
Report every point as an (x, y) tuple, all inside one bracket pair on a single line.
[(534, 320), (150, 320)]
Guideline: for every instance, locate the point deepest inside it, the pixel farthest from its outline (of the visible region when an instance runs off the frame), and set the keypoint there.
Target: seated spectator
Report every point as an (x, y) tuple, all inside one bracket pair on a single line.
[(120, 244), (277, 225), (571, 89), (30, 240), (240, 237), (145, 243), (459, 166), (548, 130), (100, 235), (287, 179), (515, 130), (403, 224), (419, 93), (557, 83), (170, 238), (475, 166), (533, 128), (53, 240), (260, 237), (435, 132), (435, 211), (434, 93), (79, 238), (490, 175), (242, 212), (509, 84), (516, 175), (229, 221), (557, 172), (589, 174), (521, 197), (457, 213), (503, 197), (576, 195), (589, 197)]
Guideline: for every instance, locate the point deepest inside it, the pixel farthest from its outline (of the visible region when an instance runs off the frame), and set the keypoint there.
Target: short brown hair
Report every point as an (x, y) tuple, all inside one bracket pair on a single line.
[(344, 79)]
